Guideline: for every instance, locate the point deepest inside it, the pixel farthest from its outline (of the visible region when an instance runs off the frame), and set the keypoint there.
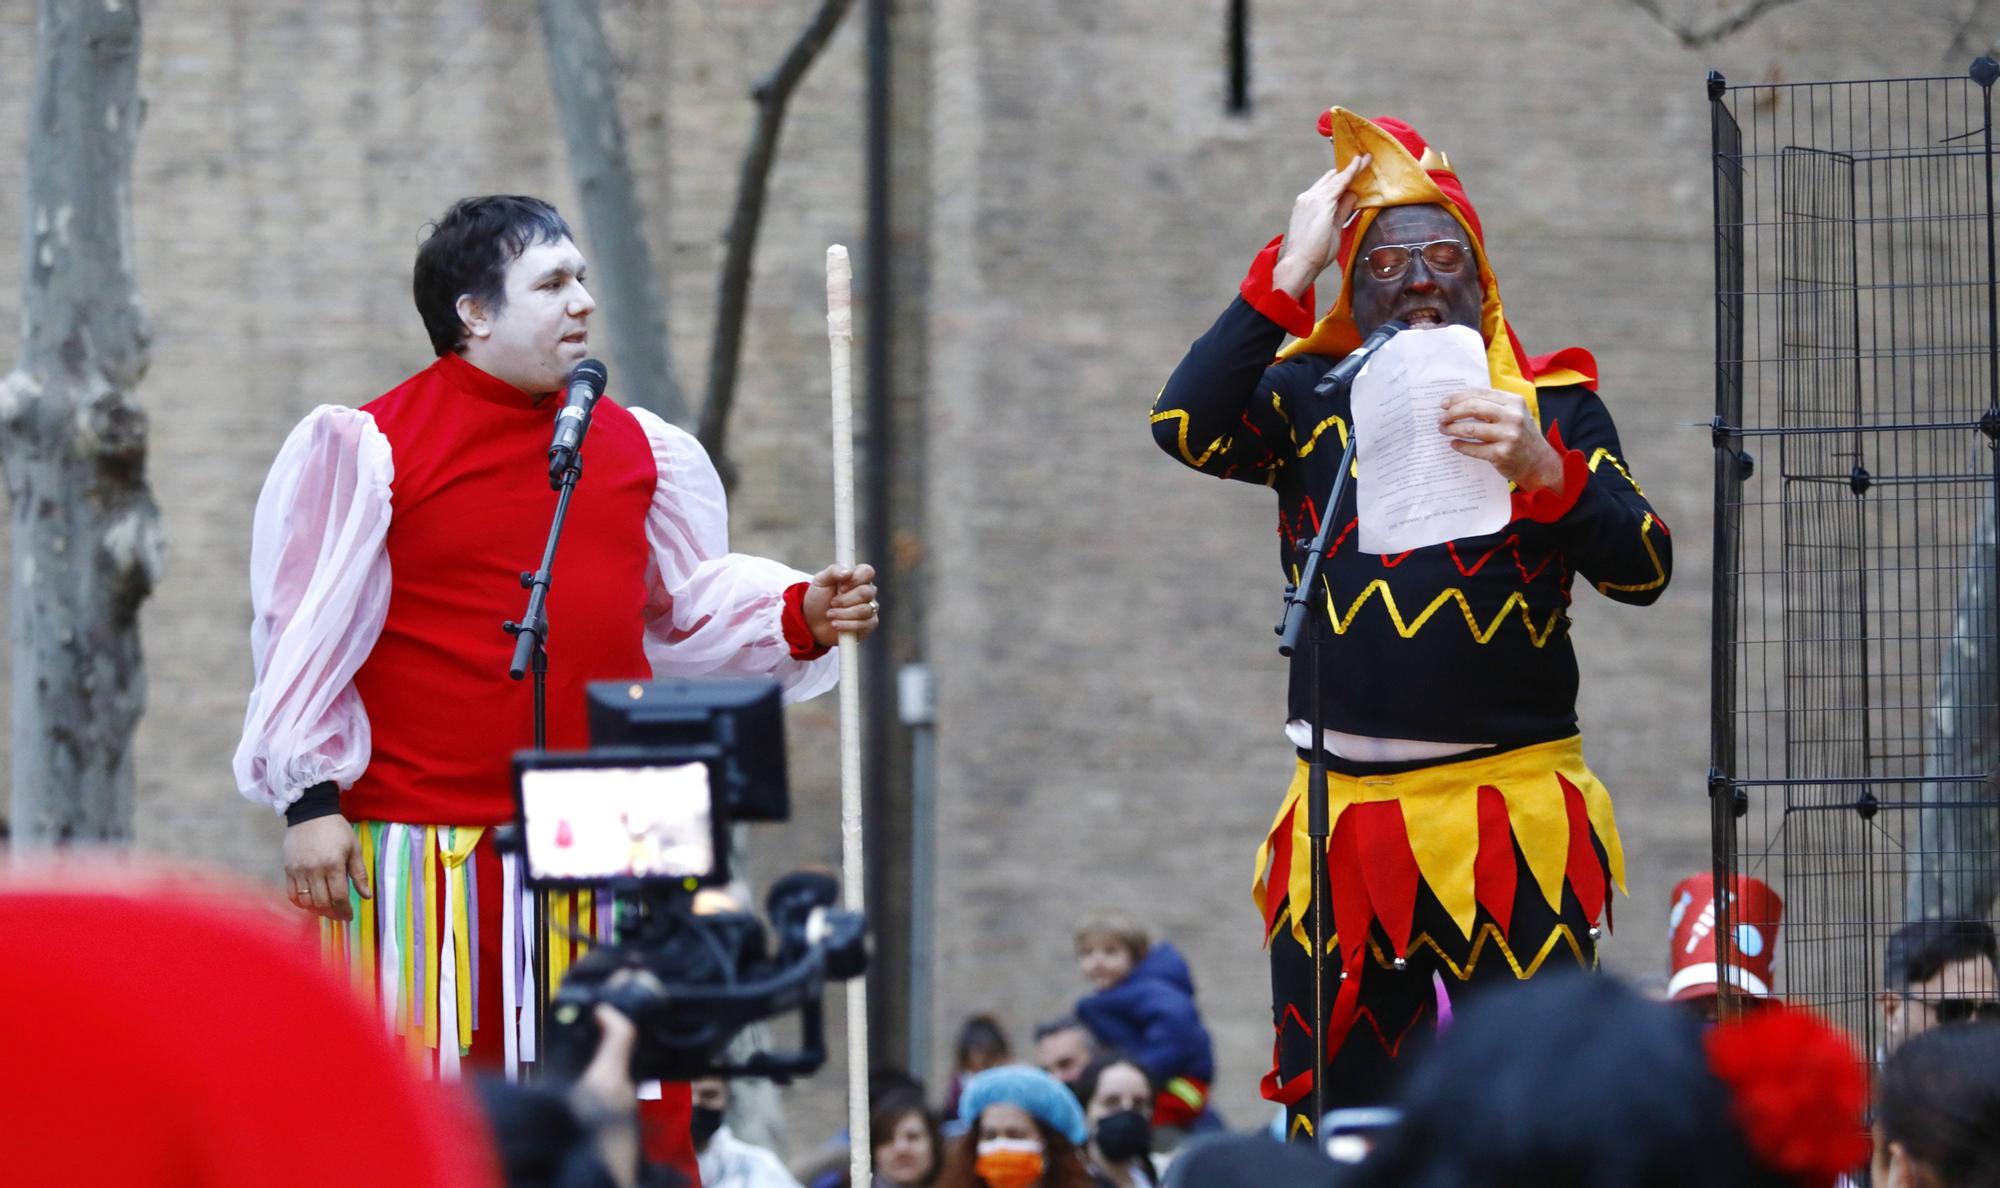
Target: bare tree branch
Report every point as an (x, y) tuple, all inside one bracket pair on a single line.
[(1972, 36), (1725, 26), (733, 285), (86, 532), (586, 97)]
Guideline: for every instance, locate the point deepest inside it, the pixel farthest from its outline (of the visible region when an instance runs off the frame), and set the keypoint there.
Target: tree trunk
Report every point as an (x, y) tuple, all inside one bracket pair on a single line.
[(86, 539), (619, 259)]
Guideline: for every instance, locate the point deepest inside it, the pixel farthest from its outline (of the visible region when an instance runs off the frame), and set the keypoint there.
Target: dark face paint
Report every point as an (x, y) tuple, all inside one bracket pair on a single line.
[(1455, 297)]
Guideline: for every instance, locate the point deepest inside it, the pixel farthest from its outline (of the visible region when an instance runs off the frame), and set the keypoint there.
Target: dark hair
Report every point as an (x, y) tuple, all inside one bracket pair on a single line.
[(981, 1033), (1062, 1164), (1918, 950), (1569, 1081), (1251, 1161), (888, 1080), (466, 254), (889, 1113), (1066, 1023), (1086, 1081), (1939, 1096), (540, 1141)]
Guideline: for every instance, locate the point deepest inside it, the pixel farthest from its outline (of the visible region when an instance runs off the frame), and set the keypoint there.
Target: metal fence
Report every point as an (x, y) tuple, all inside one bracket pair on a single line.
[(1857, 417)]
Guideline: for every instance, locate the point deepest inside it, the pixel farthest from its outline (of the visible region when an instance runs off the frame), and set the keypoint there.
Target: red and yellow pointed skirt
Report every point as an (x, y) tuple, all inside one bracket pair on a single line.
[(1429, 873)]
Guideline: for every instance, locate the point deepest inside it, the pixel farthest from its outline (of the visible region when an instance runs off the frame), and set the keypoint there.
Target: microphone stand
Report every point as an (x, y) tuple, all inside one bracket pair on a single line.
[(531, 655), (1296, 596)]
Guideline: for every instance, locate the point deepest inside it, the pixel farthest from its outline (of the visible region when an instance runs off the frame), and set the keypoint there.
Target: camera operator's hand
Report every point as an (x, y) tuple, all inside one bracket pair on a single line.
[(320, 856), (841, 601), (607, 1101)]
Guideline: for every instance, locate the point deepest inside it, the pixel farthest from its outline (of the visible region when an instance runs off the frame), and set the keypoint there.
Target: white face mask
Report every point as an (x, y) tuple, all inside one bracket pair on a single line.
[(1022, 1146)]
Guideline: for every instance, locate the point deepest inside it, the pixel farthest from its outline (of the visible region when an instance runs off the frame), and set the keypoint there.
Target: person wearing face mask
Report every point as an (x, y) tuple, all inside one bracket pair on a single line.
[(1469, 841), (725, 1160), (1117, 1101), (1023, 1129)]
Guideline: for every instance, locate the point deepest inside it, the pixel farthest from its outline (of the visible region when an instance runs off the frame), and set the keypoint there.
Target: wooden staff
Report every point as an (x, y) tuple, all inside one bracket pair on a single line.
[(840, 342)]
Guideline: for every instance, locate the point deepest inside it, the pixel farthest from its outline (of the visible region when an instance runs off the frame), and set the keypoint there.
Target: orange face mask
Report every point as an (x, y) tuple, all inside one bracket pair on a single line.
[(1009, 1163)]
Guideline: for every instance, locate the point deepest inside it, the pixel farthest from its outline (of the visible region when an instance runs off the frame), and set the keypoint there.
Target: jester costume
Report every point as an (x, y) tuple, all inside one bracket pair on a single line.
[(386, 553), (1491, 863)]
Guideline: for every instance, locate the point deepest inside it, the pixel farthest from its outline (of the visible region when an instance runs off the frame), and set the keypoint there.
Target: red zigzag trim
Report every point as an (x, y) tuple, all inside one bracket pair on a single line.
[(1512, 544)]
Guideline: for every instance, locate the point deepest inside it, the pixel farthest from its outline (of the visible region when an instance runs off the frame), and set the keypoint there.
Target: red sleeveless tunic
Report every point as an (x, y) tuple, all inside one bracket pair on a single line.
[(471, 511)]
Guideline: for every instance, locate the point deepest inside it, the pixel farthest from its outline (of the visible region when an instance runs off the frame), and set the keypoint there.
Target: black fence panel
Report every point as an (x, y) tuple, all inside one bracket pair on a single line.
[(1856, 684)]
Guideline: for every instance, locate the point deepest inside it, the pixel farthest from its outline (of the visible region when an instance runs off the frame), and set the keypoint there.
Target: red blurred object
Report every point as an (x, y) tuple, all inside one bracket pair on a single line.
[(1798, 1092), (165, 1030)]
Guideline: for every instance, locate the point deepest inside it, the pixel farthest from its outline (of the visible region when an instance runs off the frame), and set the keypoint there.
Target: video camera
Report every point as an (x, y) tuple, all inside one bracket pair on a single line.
[(645, 815)]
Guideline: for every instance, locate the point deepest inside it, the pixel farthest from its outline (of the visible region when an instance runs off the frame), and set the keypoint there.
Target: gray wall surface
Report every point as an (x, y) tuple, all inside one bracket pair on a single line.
[(1098, 616)]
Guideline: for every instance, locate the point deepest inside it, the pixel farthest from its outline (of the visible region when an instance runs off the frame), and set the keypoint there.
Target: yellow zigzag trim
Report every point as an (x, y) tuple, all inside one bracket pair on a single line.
[(1489, 931), (1659, 570), (1604, 455), (1181, 415), (1318, 429), (1515, 601)]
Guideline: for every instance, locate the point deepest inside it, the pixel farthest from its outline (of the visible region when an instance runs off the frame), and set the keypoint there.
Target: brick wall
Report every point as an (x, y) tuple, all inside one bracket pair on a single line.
[(1082, 206)]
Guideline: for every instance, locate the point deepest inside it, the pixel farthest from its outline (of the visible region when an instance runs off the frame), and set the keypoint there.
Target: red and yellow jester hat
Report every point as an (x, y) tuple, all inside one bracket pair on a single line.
[(1407, 171)]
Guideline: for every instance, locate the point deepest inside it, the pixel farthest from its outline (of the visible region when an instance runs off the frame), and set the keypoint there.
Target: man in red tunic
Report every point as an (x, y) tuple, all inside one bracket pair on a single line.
[(386, 552)]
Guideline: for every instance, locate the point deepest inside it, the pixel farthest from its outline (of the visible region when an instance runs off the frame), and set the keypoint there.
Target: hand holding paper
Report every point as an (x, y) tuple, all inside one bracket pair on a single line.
[(1415, 489)]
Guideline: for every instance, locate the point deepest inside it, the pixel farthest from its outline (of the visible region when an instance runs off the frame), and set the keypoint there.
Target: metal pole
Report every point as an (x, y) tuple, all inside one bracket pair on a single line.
[(1984, 72), (879, 769), (916, 689), (1723, 795)]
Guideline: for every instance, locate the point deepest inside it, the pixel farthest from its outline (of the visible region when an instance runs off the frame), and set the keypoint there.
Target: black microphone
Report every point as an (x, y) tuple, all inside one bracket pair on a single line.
[(1342, 373), (586, 384)]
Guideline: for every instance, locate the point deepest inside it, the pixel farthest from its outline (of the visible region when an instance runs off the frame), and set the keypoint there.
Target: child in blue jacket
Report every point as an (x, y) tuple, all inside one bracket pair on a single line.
[(1143, 1007)]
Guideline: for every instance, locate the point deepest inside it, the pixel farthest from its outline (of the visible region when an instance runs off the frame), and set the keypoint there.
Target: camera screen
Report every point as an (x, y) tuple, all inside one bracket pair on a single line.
[(607, 823)]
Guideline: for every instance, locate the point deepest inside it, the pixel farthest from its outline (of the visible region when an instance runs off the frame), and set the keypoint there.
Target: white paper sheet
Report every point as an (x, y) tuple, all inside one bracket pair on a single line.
[(1413, 489)]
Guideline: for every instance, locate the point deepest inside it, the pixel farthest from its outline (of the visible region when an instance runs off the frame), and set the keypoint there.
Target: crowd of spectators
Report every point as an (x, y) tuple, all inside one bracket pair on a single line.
[(1564, 1081)]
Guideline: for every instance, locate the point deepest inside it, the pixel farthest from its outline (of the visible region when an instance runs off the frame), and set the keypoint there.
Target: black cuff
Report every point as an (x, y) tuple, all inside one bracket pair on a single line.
[(320, 800)]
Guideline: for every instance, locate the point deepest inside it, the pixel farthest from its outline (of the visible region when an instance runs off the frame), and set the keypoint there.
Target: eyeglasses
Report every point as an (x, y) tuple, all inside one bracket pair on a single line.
[(1958, 1010), (1392, 260)]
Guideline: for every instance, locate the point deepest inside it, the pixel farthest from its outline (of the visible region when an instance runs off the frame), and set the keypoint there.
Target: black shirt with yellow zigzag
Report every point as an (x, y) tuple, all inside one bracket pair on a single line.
[(1463, 642)]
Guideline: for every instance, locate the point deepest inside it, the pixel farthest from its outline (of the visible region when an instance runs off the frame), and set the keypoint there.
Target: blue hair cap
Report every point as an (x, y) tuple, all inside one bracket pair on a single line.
[(1046, 1099)]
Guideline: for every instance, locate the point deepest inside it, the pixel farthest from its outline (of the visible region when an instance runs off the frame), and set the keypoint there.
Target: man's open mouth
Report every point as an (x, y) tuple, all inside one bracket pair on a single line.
[(1424, 315)]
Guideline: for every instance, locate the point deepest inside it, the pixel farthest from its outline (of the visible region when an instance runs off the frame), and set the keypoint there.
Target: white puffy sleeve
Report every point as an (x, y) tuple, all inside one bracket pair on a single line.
[(711, 612), (319, 592)]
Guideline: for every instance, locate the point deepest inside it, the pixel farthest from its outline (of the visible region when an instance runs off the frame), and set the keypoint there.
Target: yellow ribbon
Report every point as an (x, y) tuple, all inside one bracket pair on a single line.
[(431, 971), (456, 848)]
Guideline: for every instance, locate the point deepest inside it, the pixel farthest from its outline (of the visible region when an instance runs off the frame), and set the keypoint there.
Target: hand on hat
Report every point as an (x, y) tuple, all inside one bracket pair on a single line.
[(1497, 427), (1314, 235)]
